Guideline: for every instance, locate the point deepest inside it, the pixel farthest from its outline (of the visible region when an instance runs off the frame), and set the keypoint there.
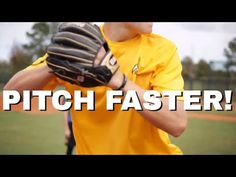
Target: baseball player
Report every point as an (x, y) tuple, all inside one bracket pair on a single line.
[(118, 56)]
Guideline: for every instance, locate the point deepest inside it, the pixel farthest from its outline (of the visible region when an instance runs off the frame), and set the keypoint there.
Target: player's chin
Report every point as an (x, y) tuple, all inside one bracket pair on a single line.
[(149, 27), (147, 31)]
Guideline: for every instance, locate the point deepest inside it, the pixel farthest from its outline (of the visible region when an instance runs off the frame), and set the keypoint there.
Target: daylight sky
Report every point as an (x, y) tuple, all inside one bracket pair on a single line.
[(198, 40)]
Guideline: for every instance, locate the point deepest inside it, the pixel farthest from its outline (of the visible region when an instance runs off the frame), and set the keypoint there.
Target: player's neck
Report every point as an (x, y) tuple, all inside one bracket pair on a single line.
[(118, 33)]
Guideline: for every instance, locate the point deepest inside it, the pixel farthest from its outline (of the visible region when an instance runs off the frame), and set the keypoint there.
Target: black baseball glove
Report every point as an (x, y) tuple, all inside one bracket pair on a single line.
[(72, 53)]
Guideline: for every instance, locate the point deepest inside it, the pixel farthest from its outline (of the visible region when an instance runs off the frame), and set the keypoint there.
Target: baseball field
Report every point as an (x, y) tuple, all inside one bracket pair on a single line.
[(42, 133)]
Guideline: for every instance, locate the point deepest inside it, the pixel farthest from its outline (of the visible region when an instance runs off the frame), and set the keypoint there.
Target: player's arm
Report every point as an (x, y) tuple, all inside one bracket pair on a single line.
[(32, 79), (173, 122)]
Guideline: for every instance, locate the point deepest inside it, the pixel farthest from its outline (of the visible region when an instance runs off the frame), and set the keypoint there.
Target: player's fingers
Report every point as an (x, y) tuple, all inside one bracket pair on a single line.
[(100, 56)]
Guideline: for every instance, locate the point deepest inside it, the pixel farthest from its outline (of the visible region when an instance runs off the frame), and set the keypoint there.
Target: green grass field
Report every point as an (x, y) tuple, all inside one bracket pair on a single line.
[(22, 133), (208, 137)]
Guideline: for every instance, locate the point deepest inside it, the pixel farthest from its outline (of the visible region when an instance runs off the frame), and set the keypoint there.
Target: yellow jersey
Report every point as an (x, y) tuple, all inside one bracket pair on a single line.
[(150, 61)]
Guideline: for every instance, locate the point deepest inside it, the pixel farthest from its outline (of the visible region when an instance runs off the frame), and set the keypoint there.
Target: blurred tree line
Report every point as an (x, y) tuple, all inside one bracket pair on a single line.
[(203, 69), (39, 36), (22, 55), (211, 75)]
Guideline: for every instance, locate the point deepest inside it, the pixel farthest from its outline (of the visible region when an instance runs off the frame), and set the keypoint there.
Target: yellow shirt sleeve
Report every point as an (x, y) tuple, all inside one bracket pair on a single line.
[(168, 74), (39, 62)]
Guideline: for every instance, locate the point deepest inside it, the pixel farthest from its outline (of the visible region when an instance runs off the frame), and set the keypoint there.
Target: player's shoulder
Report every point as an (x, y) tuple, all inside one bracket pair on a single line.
[(159, 41), (160, 48)]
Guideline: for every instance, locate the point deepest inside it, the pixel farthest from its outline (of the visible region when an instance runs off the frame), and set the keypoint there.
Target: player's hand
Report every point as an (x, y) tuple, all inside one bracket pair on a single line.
[(117, 78), (67, 135)]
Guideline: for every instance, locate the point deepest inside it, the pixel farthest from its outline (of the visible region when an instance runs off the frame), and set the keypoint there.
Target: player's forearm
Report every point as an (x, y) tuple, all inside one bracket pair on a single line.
[(173, 122), (29, 79)]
